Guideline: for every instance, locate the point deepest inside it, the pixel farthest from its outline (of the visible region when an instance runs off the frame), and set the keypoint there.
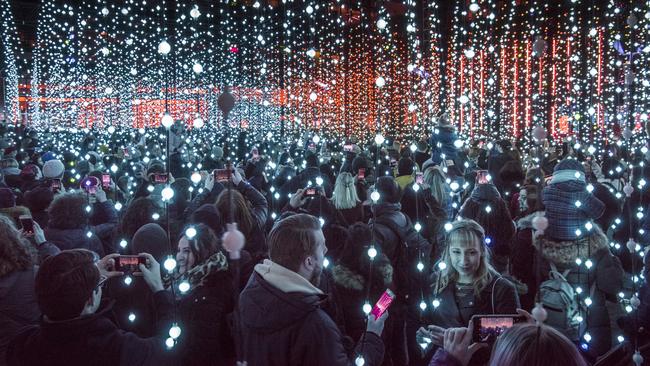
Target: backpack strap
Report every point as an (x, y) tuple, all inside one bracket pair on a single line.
[(493, 287)]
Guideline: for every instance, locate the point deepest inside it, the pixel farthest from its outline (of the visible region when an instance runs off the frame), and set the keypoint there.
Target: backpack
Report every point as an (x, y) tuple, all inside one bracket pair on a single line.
[(560, 301), (411, 250)]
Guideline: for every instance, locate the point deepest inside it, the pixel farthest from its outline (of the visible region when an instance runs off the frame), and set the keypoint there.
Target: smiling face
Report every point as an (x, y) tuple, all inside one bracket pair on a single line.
[(465, 252), (184, 257)]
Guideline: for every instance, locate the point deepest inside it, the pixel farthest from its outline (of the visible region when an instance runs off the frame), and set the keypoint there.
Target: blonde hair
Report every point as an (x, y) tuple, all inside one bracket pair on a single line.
[(465, 231), (531, 344), (345, 192), (436, 179)]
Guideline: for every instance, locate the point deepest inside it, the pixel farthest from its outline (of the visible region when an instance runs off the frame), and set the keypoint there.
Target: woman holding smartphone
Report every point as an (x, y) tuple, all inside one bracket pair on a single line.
[(465, 285)]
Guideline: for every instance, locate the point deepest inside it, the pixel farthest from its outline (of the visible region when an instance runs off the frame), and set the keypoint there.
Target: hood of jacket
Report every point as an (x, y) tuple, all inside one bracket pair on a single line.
[(485, 192), (526, 222), (276, 298), (351, 280), (389, 210), (80, 327), (564, 253)]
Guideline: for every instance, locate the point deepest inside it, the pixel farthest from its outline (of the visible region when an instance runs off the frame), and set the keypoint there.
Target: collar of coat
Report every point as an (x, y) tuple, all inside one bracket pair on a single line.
[(285, 279)]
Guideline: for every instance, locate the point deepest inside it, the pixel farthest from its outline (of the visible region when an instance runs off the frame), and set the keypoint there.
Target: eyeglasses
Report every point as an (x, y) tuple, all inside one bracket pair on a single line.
[(102, 282)]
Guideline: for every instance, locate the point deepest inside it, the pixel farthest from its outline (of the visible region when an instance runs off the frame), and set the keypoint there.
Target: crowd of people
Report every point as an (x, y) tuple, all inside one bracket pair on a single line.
[(165, 247)]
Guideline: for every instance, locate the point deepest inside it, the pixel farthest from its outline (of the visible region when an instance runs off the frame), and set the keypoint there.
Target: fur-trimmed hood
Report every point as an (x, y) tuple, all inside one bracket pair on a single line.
[(349, 279), (564, 253)]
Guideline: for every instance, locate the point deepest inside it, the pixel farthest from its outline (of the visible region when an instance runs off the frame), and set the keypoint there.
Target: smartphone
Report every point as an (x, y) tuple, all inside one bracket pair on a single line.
[(311, 192), (383, 303), (89, 184), (27, 223), (362, 173), (106, 180), (160, 178), (419, 178), (222, 175), (488, 327), (348, 147), (126, 152), (393, 163), (482, 177), (129, 263)]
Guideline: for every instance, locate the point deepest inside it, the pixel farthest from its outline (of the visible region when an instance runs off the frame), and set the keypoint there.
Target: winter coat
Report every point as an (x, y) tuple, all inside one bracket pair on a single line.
[(354, 214), (18, 307), (523, 259), (498, 297), (91, 340), (563, 214), (606, 277), (282, 323), (349, 293), (442, 142), (203, 314)]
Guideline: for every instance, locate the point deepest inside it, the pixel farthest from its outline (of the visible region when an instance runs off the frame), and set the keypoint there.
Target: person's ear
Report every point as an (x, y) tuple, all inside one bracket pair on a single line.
[(309, 262)]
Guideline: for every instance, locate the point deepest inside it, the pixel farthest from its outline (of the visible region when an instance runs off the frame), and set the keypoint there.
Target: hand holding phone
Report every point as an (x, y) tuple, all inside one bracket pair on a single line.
[(222, 175), (129, 263), (383, 303), (486, 328), (311, 192), (362, 174), (27, 224), (106, 181)]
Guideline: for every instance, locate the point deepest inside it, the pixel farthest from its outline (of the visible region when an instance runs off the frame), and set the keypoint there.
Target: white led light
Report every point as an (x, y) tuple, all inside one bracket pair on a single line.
[(366, 308), (175, 331), (372, 252), (184, 286), (164, 48), (190, 233), (123, 243)]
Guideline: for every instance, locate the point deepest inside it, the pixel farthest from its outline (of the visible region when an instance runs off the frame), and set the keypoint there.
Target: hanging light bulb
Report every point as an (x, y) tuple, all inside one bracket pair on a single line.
[(167, 193), (190, 233), (169, 264), (380, 82), (372, 252), (164, 47), (359, 361), (184, 286), (175, 331), (167, 120), (435, 303), (366, 308), (198, 122), (197, 68), (381, 23), (423, 305), (379, 139), (374, 196)]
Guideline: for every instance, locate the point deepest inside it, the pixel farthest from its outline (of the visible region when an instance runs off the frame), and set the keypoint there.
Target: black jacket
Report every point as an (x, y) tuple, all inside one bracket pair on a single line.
[(90, 340), (291, 329)]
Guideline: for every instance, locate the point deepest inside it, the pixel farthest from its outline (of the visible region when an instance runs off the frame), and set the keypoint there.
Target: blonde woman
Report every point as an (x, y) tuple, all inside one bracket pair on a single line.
[(440, 190), (346, 200), (466, 284)]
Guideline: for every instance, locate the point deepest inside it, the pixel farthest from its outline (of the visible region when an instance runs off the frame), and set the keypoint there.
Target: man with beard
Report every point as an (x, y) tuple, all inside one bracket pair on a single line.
[(281, 319)]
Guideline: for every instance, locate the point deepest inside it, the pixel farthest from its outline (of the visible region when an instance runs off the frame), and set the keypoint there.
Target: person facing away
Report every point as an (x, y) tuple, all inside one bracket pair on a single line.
[(280, 313)]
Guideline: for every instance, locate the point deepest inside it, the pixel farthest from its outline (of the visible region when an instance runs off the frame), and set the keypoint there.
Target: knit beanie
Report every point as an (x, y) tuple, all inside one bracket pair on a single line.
[(151, 238), (568, 169), (53, 168), (47, 157), (209, 215), (388, 190)]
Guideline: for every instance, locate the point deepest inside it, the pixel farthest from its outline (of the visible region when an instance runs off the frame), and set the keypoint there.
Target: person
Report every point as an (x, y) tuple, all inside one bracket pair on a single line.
[(346, 200), (442, 141), (405, 170), (19, 261), (602, 281), (75, 329), (521, 345), (204, 307), (486, 207), (68, 223), (280, 313), (569, 205), (466, 285), (249, 208), (134, 304), (435, 178)]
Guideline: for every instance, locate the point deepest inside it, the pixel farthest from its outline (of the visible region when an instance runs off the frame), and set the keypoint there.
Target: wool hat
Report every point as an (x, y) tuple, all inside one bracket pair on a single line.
[(47, 156), (405, 166), (53, 168), (209, 215), (443, 120), (30, 172), (151, 238), (567, 170), (7, 198)]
